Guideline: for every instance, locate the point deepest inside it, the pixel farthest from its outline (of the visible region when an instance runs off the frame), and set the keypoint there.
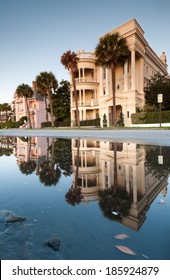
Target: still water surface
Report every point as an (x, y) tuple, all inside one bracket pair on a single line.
[(100, 200)]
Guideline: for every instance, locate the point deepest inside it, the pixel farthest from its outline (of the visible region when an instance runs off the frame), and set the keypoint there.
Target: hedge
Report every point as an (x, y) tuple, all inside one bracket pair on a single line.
[(150, 117), (93, 122), (9, 124)]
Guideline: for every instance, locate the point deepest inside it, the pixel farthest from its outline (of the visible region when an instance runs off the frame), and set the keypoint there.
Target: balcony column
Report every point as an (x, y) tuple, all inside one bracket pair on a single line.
[(85, 153), (83, 75), (79, 97), (81, 156), (95, 94), (79, 74), (84, 113), (126, 76), (82, 180), (84, 97), (133, 70), (80, 114)]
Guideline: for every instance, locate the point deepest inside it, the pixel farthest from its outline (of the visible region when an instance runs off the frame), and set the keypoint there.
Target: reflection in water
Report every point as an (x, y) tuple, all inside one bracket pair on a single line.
[(74, 194), (125, 178), (122, 179)]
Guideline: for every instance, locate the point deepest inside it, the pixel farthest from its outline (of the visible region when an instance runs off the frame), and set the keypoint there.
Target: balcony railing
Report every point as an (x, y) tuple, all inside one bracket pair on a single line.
[(86, 80), (83, 54), (87, 103)]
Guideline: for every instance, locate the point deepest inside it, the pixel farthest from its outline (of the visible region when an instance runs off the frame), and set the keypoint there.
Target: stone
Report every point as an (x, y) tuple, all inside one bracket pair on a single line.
[(54, 243), (15, 219)]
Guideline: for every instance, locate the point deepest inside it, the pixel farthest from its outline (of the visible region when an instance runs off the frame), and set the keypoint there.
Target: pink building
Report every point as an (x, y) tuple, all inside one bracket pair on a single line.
[(37, 108)]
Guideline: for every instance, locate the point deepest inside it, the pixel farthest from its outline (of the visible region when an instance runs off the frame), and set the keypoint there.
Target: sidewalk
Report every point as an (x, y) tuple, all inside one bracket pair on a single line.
[(141, 136)]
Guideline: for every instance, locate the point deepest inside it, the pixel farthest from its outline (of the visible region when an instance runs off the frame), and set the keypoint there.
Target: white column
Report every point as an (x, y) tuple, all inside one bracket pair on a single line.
[(141, 86), (84, 114), (83, 75), (80, 97), (101, 81), (84, 97), (79, 74), (107, 81), (134, 184), (133, 74), (127, 177), (126, 76), (80, 114)]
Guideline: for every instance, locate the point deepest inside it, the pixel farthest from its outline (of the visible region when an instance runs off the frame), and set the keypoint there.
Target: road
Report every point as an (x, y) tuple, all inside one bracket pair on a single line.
[(141, 136)]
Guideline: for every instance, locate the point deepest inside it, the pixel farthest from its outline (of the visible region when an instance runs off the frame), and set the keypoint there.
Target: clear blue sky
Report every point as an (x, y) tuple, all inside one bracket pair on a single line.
[(35, 33)]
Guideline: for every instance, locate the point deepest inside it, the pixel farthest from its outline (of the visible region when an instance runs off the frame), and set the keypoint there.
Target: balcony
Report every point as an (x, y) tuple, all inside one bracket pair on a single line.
[(91, 103), (86, 80), (83, 54)]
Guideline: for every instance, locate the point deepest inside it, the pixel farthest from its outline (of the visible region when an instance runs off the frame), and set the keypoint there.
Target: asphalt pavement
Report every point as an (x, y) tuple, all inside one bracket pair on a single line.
[(140, 136)]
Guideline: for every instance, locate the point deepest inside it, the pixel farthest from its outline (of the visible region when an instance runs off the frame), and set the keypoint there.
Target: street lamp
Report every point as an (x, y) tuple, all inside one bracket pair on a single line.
[(160, 100)]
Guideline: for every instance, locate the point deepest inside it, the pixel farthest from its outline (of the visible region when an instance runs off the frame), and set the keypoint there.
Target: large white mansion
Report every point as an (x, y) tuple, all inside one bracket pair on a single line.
[(93, 82)]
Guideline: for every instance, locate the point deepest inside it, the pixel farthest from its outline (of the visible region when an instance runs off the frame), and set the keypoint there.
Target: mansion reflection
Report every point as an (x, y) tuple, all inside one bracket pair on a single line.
[(129, 167), (141, 171)]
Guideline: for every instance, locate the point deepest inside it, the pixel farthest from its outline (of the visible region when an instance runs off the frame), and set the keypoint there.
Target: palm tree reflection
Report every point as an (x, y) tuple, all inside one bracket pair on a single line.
[(114, 203), (74, 196), (49, 172), (29, 166)]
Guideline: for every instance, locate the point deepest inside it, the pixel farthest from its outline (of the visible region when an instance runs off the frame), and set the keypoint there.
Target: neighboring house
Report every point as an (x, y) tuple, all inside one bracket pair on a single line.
[(36, 106), (93, 83)]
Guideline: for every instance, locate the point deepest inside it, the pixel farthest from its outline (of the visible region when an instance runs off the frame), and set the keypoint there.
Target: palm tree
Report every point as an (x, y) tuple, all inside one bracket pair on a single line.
[(70, 61), (25, 91), (1, 109), (111, 51), (6, 107), (46, 83)]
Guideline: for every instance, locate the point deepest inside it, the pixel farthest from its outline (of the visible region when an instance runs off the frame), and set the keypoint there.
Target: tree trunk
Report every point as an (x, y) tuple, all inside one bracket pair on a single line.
[(76, 101), (77, 163), (6, 113), (51, 108), (115, 164), (113, 93), (45, 100), (28, 111), (1, 119)]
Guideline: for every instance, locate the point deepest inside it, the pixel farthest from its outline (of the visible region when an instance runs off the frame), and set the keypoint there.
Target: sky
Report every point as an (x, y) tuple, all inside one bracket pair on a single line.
[(34, 34)]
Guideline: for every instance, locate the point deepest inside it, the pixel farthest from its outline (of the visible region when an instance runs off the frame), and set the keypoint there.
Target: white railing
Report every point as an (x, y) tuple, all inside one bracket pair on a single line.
[(87, 103), (83, 54), (86, 80)]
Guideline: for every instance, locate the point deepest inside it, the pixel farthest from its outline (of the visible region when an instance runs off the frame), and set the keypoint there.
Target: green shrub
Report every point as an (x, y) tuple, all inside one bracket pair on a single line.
[(9, 124), (45, 124), (93, 122), (62, 123), (150, 117)]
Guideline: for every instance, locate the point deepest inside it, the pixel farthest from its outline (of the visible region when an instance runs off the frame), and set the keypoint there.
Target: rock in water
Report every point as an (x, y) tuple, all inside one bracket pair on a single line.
[(15, 219), (54, 243)]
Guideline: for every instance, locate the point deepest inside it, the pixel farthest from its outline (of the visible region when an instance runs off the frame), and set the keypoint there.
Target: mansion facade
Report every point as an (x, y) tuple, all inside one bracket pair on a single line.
[(93, 83)]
